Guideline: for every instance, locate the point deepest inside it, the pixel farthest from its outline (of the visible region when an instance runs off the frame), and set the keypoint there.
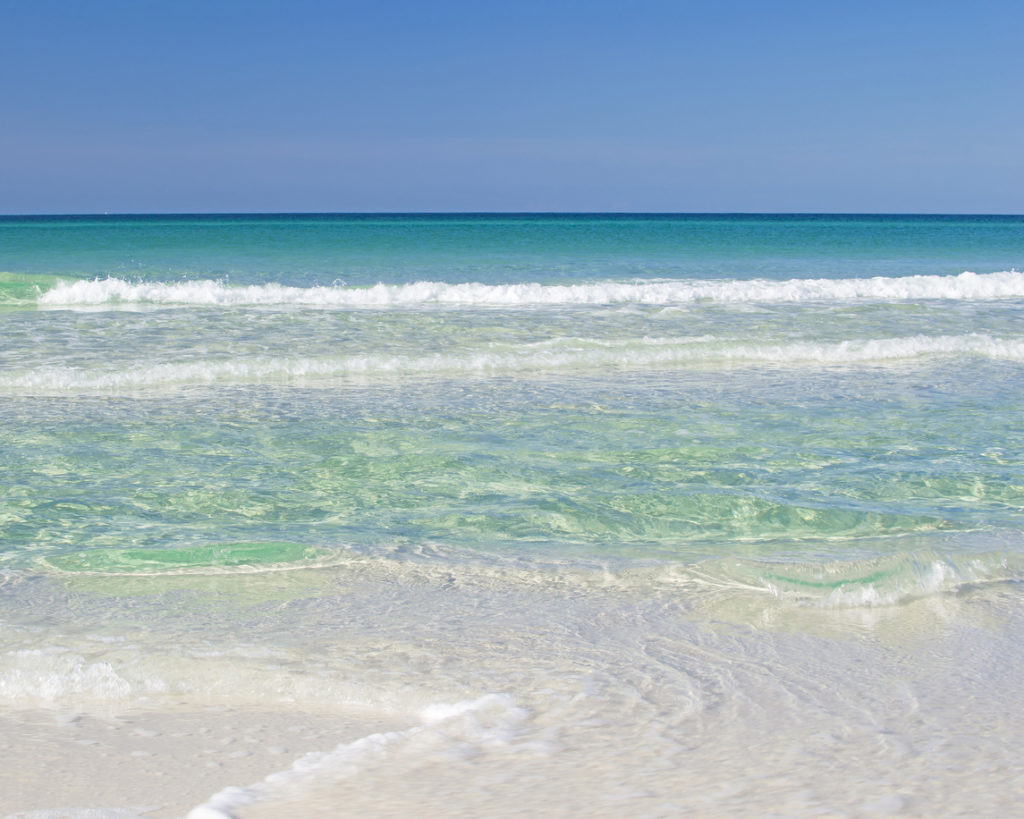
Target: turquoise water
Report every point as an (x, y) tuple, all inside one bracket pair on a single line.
[(432, 425), (306, 250)]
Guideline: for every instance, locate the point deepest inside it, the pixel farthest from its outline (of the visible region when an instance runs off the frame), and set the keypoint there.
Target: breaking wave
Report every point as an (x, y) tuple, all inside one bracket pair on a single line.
[(552, 355), (113, 292)]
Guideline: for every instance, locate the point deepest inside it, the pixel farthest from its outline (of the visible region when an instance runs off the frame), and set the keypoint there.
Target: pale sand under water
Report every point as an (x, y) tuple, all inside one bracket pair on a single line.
[(154, 763), (611, 707)]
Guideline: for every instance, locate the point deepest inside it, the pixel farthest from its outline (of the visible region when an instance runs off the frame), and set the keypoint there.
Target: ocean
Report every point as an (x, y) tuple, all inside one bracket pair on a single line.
[(511, 514)]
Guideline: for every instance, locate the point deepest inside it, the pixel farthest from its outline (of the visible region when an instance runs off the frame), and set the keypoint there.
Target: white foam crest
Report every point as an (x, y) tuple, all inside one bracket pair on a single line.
[(113, 292), (488, 722), (51, 677), (553, 355)]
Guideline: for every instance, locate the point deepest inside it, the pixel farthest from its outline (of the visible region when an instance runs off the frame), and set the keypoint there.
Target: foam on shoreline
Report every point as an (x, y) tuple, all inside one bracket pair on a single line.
[(601, 694)]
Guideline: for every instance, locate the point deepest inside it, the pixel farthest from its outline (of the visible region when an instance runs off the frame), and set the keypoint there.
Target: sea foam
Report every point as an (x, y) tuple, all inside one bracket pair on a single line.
[(488, 722), (561, 354), (114, 291)]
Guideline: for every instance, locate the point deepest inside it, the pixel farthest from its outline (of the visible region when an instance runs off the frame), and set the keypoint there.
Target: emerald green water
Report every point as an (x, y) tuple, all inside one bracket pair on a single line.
[(688, 466), (659, 502), (791, 421), (228, 555)]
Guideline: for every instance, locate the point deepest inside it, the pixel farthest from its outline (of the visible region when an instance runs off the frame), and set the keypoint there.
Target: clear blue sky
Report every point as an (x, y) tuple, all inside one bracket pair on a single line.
[(153, 105)]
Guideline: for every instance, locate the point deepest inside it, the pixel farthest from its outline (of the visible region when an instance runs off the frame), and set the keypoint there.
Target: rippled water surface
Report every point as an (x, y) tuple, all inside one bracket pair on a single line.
[(555, 513)]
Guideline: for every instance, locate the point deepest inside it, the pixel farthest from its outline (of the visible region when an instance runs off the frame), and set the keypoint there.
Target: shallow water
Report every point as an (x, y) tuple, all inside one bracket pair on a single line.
[(618, 516)]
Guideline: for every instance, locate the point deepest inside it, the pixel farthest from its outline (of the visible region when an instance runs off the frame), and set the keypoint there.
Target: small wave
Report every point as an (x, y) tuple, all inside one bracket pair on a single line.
[(552, 355), (486, 724), (854, 584), (113, 292), (54, 676)]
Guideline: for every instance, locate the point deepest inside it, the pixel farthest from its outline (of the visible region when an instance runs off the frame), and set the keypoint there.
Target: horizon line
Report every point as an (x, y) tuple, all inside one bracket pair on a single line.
[(499, 213)]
